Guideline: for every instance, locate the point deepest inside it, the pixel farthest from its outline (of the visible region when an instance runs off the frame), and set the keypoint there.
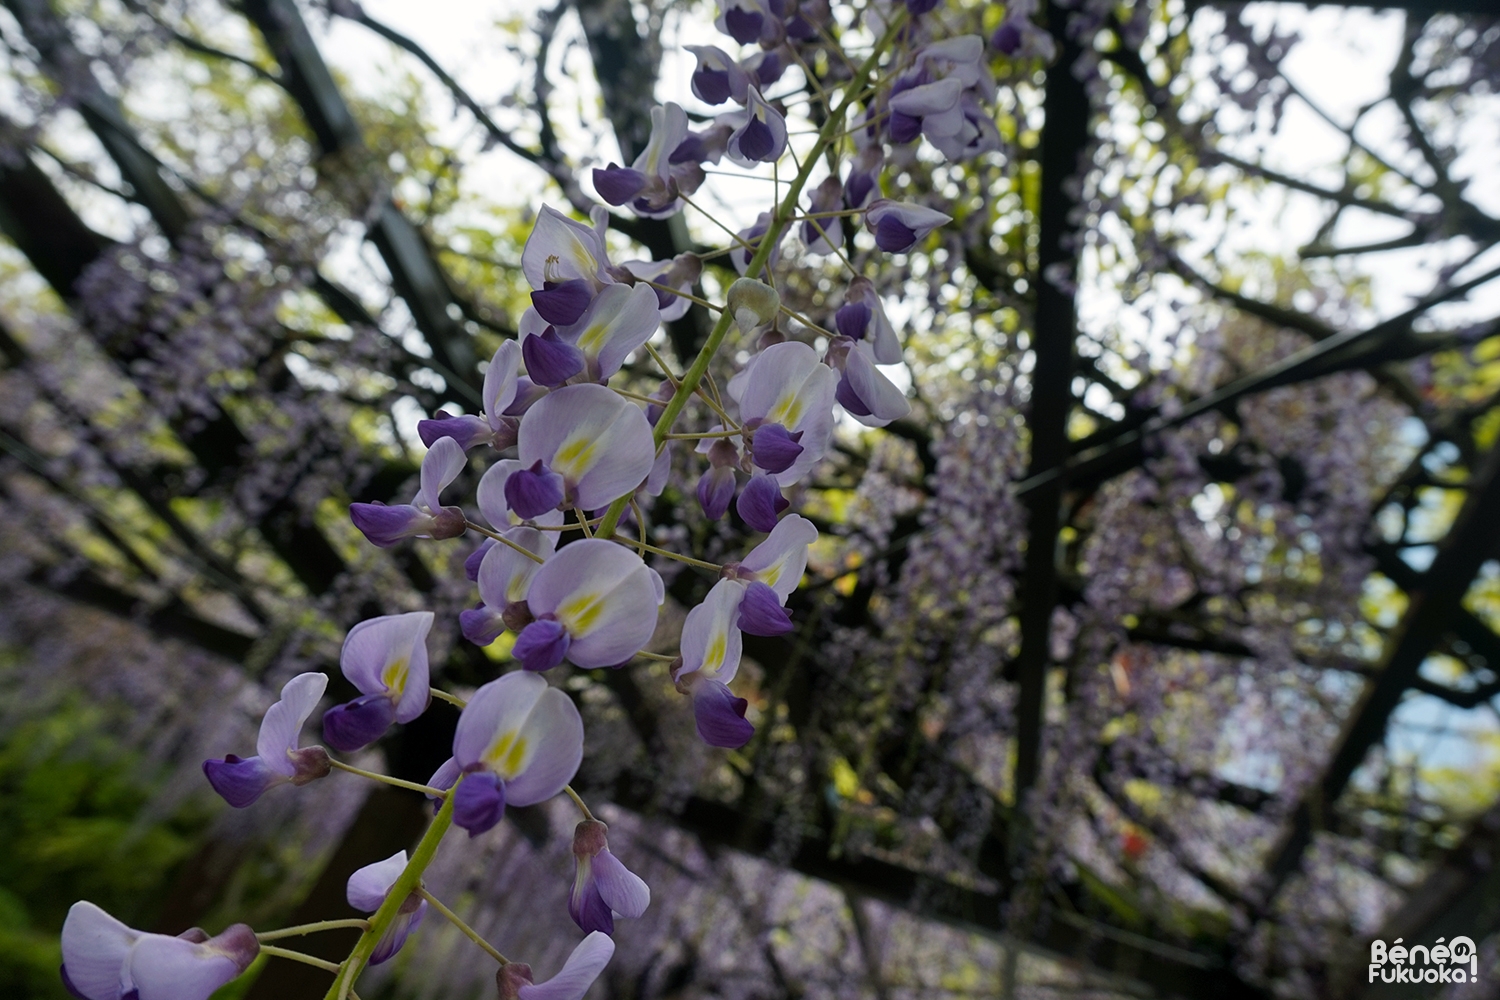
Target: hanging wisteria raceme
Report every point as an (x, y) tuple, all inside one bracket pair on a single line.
[(574, 459)]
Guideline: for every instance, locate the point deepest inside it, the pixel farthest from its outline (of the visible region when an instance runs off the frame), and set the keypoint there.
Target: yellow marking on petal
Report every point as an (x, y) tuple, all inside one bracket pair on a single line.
[(713, 658), (576, 456), (580, 612), (519, 584), (507, 755), (787, 411), (593, 338), (772, 573), (394, 675)]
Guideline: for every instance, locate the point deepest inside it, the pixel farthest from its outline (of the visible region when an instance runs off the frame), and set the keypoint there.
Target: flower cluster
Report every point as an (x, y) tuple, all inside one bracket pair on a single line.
[(569, 456)]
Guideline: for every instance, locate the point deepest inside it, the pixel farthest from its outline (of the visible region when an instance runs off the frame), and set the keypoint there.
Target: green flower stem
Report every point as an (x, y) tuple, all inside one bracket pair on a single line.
[(779, 220), (321, 925), (386, 779), (406, 883), (297, 956), (468, 932), (578, 801)]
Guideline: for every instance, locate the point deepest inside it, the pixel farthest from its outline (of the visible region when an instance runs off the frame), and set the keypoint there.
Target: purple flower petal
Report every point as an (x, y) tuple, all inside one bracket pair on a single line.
[(711, 642), (894, 236), (711, 87), (408, 919), (385, 526), (95, 948), (356, 724), (786, 384), (599, 442), (367, 887), (760, 501), (585, 905), (617, 323), (720, 716), (904, 128), (481, 625), (468, 430), (849, 399), (479, 802), (1007, 38), (616, 185), (542, 645), (852, 319), (743, 25), (171, 968), (756, 140), (881, 401), (561, 303), (715, 491), (498, 709), (535, 491), (773, 449), (282, 725), (440, 466), (623, 890), (500, 382), (577, 975), (559, 249), (471, 564), (550, 360), (240, 781), (920, 7), (761, 612), (388, 656), (605, 597), (780, 560)]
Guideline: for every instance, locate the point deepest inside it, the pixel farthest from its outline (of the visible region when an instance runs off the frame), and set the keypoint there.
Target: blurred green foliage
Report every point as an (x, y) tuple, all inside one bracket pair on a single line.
[(76, 822)]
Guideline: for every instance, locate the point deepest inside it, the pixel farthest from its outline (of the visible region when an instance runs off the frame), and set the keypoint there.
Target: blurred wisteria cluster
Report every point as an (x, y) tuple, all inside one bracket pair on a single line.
[(770, 499)]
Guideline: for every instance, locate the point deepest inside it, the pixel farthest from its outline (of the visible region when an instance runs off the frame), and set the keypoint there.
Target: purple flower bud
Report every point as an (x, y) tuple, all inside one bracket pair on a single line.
[(616, 185), (859, 188), (894, 236), (468, 430), (533, 492), (715, 491), (920, 7), (542, 645), (773, 449), (762, 137), (765, 67), (385, 526), (479, 802), (471, 564), (1007, 38), (356, 724), (562, 302), (756, 140), (550, 360), (761, 612), (481, 624), (760, 501)]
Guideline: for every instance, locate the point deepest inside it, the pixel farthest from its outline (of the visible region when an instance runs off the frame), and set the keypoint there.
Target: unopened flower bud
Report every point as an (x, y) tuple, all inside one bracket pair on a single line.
[(311, 763), (753, 304), (449, 523)]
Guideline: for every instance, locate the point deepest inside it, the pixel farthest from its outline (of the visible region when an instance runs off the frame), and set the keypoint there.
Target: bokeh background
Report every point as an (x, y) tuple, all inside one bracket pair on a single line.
[(1155, 654)]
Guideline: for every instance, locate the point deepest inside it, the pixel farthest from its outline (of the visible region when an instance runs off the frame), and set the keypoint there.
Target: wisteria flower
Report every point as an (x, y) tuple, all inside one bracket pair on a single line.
[(786, 387), (571, 983), (747, 243), (898, 226), (745, 21), (930, 109), (761, 502), (602, 885), (386, 658), (105, 960), (584, 445), (864, 391), (718, 78), (862, 317), (518, 742), (770, 573), (826, 235), (490, 498), (619, 320), (761, 136), (651, 184), (594, 603), (711, 646), (493, 426), (367, 891), (679, 273), (278, 758), (504, 578), (561, 250), (425, 516)]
